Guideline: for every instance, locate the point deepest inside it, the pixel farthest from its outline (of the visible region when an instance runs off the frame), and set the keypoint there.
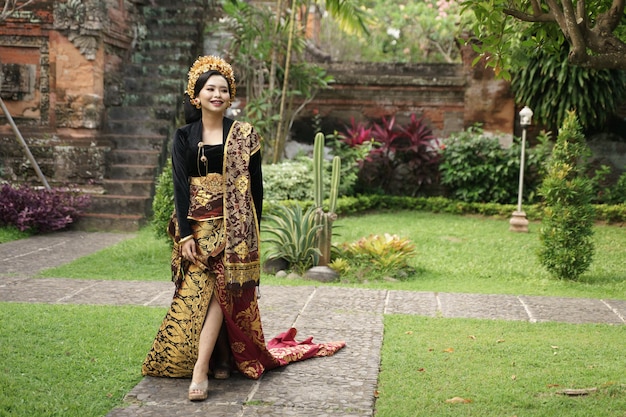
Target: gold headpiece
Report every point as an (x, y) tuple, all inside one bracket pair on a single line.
[(210, 63)]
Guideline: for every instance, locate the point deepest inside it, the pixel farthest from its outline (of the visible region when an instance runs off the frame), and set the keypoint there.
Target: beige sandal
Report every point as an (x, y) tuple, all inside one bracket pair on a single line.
[(199, 392)]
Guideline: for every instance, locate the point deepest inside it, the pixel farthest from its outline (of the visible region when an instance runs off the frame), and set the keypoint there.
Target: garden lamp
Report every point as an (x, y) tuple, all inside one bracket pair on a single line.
[(519, 222)]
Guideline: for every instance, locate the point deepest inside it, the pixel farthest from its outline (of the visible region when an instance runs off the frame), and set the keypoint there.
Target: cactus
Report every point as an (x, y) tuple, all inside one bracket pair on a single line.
[(324, 219)]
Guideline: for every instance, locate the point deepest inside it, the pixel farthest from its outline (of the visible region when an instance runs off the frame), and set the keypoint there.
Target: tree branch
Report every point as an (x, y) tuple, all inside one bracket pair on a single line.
[(10, 7), (610, 19), (572, 29), (532, 18)]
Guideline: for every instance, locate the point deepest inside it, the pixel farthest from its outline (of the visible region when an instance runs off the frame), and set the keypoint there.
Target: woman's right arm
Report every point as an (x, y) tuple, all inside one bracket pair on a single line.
[(181, 182)]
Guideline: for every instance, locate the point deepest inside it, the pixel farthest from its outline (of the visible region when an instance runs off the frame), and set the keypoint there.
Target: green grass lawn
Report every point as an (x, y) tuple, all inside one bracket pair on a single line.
[(81, 360), (71, 360), (500, 368), (9, 233), (454, 254)]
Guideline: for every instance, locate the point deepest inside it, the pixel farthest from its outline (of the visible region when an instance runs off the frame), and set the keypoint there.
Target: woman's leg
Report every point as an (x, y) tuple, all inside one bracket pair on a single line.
[(208, 337), (221, 355)]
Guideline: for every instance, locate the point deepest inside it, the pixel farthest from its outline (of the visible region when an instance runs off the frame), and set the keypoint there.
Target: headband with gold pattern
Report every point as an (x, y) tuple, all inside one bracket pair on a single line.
[(210, 63)]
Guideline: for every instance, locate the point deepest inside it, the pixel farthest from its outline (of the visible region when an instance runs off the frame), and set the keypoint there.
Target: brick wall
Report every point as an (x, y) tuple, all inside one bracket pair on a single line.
[(449, 97)]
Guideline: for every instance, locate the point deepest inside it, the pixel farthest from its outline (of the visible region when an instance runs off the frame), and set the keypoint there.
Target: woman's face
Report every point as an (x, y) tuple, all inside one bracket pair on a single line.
[(214, 95)]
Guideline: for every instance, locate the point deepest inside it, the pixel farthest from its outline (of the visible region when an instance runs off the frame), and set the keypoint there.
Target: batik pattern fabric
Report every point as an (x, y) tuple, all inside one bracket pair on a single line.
[(227, 245)]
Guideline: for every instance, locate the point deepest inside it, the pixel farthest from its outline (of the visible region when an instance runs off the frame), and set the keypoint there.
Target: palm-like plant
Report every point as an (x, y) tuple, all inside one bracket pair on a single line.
[(293, 236), (552, 87)]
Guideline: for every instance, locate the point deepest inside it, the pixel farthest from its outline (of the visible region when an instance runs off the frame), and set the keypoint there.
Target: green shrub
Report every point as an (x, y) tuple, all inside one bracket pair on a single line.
[(288, 180), (293, 236), (163, 202), (476, 168), (364, 203), (567, 227), (375, 256), (604, 191)]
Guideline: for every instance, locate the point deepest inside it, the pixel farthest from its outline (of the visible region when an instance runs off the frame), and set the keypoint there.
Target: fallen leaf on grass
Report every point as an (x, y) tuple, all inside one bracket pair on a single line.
[(409, 332), (513, 377), (500, 341), (449, 350), (577, 392), (458, 400), (553, 385), (472, 337), (421, 370)]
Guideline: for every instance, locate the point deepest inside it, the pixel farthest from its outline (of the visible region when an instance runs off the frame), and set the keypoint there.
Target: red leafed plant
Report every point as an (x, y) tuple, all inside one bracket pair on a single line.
[(357, 134), (404, 158)]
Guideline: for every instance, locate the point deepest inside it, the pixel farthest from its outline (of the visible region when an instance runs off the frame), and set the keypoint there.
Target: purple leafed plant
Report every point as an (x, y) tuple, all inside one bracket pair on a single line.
[(404, 158), (40, 210)]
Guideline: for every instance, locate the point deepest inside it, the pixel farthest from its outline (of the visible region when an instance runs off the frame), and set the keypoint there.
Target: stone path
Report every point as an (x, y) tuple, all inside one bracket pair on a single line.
[(342, 385)]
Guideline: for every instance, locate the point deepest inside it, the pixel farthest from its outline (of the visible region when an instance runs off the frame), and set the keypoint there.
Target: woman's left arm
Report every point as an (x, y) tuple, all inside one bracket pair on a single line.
[(256, 183)]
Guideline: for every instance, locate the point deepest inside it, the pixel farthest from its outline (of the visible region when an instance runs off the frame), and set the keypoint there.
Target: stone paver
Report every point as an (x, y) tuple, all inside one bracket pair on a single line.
[(343, 385)]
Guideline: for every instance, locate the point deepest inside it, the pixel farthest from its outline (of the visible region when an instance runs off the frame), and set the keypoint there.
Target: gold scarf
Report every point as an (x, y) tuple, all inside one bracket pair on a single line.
[(241, 253)]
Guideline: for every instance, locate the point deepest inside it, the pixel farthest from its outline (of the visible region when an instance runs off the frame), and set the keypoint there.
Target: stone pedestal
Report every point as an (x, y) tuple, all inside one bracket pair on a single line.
[(518, 222)]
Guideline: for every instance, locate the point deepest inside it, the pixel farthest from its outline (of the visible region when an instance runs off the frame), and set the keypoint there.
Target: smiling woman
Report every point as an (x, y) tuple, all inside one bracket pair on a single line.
[(213, 325)]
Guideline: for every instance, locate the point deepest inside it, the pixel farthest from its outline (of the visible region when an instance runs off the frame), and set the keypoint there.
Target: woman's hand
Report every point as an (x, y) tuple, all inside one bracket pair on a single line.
[(188, 250)]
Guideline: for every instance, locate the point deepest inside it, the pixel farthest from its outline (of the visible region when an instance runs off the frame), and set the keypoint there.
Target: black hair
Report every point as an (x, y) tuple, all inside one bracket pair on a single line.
[(192, 113)]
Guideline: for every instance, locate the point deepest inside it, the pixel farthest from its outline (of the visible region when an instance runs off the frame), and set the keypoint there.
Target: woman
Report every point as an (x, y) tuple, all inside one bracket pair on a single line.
[(218, 193)]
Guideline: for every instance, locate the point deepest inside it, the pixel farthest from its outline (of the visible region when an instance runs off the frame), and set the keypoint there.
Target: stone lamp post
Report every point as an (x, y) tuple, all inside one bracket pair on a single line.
[(519, 222)]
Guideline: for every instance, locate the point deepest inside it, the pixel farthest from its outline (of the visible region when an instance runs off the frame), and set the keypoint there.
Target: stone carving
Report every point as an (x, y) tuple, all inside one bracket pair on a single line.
[(82, 21), (80, 111), (16, 80)]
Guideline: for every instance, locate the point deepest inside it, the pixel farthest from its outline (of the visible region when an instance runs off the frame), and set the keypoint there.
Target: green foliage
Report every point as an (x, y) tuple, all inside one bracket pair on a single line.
[(352, 147), (567, 228), (504, 33), (257, 40), (455, 254), (376, 256), (163, 202), (551, 86), (396, 35), (617, 194), (604, 191), (611, 214), (293, 236), (476, 168), (288, 180)]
